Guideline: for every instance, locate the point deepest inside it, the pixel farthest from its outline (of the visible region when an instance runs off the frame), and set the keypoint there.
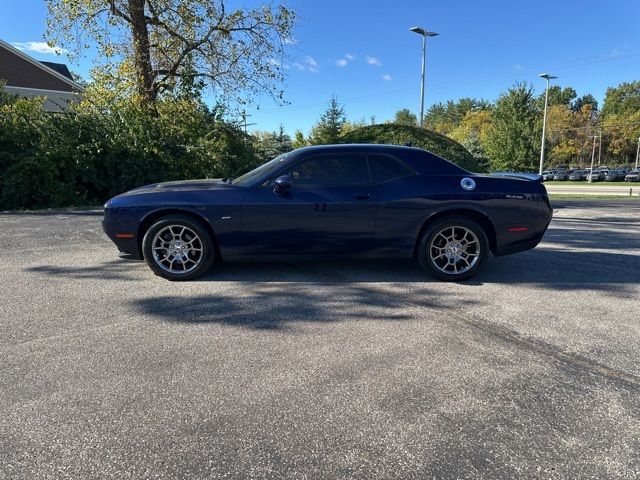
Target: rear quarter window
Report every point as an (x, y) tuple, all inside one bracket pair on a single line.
[(385, 168)]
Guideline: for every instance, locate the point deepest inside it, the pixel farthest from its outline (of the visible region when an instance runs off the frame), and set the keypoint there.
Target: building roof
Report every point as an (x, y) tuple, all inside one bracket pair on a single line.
[(61, 68), (19, 70)]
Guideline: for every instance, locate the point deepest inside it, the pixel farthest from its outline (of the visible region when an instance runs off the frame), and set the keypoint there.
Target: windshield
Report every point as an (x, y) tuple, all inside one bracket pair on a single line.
[(263, 169)]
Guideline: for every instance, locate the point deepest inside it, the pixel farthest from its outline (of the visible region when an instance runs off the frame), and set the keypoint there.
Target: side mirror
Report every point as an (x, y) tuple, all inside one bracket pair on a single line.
[(283, 185)]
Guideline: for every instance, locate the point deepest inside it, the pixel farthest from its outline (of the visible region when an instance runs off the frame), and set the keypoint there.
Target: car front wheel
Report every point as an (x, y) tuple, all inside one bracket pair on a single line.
[(453, 249), (178, 247)]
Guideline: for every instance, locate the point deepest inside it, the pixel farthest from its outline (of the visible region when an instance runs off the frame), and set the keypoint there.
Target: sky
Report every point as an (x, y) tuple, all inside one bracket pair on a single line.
[(363, 52)]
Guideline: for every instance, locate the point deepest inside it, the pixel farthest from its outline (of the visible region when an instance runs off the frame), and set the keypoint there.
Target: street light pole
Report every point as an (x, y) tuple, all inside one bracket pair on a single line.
[(425, 34), (547, 77), (638, 153), (593, 157), (599, 146)]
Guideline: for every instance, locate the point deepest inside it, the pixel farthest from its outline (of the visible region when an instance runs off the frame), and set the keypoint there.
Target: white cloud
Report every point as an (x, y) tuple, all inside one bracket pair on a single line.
[(290, 41), (309, 65), (342, 62), (276, 63), (373, 61), (386, 77), (349, 56), (39, 47), (517, 66)]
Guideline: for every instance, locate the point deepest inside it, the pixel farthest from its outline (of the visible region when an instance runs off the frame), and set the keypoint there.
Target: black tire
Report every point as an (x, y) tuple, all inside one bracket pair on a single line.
[(187, 257), (468, 267)]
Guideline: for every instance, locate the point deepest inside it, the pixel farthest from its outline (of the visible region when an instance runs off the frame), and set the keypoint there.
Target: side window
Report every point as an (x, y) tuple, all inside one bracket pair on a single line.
[(385, 168), (334, 170)]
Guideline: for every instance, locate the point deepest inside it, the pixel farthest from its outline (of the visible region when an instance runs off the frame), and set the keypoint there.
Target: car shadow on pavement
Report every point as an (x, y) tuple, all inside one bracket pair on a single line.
[(552, 268)]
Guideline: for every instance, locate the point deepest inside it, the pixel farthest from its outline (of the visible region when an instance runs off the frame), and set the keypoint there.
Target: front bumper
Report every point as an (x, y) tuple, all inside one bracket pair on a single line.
[(122, 232)]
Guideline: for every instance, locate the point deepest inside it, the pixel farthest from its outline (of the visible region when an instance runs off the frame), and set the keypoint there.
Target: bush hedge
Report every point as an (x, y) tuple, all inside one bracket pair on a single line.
[(89, 154), (418, 137)]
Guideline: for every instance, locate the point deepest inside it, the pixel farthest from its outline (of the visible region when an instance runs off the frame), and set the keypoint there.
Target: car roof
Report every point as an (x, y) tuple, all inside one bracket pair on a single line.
[(382, 147)]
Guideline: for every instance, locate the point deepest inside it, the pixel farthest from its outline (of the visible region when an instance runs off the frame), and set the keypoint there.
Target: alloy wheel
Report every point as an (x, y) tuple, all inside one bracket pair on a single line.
[(454, 250), (177, 249)]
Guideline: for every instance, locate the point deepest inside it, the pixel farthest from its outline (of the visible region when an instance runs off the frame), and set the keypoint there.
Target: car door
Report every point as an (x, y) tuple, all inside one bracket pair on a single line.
[(330, 208)]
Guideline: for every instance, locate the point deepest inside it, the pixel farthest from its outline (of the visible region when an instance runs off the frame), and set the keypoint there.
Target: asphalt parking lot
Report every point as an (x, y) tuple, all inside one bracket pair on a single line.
[(332, 370)]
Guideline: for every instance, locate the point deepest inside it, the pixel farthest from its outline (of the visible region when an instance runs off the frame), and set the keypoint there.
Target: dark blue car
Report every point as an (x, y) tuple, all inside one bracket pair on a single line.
[(339, 200)]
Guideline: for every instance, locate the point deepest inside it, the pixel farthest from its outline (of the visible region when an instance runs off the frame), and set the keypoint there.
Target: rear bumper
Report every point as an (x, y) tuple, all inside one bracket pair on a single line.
[(514, 239)]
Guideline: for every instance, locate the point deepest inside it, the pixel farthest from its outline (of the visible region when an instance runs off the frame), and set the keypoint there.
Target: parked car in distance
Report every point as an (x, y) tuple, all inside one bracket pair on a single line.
[(337, 201), (632, 176), (548, 175), (596, 176), (577, 175), (617, 175), (561, 175)]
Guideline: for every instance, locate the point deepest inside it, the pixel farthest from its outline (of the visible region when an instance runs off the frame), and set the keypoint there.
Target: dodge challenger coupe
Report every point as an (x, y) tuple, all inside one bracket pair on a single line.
[(335, 200)]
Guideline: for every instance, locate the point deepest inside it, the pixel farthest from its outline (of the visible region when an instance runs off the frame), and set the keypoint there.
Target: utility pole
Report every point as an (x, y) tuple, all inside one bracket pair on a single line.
[(593, 157), (244, 116)]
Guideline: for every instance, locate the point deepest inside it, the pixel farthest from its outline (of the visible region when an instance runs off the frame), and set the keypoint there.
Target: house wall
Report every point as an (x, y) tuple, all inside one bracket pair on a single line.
[(18, 72), (54, 101)]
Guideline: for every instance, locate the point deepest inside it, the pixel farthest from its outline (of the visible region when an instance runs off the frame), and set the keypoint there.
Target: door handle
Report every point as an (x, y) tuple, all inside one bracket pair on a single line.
[(362, 196)]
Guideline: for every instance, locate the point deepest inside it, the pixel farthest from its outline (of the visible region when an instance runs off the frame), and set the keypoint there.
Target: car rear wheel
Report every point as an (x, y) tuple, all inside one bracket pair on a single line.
[(178, 247), (453, 249)]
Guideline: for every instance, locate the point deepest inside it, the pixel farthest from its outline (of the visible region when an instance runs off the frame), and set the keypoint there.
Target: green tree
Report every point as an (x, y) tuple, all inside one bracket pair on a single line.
[(513, 142), (472, 133), (268, 145), (625, 98), (558, 96), (328, 129), (587, 99), (443, 118), (154, 43), (299, 140), (405, 117), (621, 121)]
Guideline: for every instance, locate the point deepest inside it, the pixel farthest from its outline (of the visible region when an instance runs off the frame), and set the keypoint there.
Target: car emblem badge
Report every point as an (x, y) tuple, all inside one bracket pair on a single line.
[(468, 183)]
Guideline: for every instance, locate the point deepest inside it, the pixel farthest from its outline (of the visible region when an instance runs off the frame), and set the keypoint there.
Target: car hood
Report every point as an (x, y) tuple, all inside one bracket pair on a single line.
[(182, 185)]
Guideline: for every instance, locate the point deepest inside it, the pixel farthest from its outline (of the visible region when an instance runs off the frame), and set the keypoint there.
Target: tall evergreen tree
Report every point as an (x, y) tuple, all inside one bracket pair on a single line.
[(405, 117), (328, 129)]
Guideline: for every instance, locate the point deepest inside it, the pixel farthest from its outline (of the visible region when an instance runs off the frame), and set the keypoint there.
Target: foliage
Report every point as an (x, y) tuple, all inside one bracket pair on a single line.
[(329, 128), (473, 133), (418, 137), (405, 117), (90, 154), (513, 142), (444, 118), (299, 140), (558, 96), (153, 45), (621, 134), (587, 99), (569, 140), (269, 145), (625, 98)]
